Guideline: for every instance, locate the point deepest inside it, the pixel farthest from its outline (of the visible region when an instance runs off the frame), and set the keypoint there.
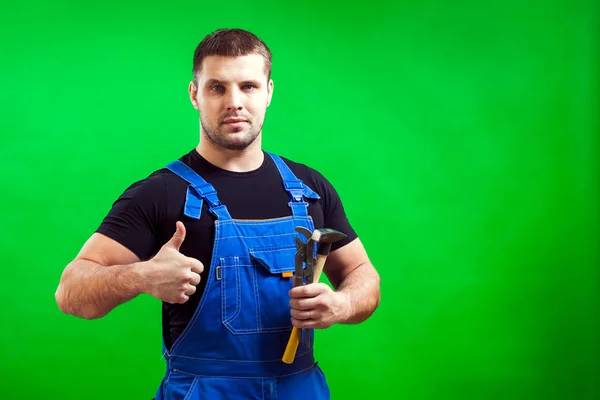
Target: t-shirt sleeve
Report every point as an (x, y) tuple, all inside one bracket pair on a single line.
[(333, 210), (135, 217)]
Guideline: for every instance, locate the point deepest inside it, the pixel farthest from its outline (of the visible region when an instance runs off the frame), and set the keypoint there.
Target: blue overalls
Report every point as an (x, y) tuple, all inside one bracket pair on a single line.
[(232, 346)]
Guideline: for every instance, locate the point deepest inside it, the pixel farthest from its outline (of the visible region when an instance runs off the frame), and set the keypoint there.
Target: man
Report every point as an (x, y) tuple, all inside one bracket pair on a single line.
[(212, 235)]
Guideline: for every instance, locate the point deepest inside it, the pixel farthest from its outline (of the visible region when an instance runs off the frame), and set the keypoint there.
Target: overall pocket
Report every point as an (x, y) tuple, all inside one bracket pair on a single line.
[(255, 292)]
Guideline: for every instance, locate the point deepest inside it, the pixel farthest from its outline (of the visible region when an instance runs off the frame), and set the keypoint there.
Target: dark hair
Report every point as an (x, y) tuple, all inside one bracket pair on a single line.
[(231, 43)]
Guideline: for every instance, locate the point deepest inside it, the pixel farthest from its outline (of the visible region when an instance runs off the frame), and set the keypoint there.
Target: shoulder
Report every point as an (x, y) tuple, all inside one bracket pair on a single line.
[(163, 178), (150, 186), (310, 176), (157, 187)]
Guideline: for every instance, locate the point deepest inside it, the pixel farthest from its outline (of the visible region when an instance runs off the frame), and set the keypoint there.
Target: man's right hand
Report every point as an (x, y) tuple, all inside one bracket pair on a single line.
[(169, 275)]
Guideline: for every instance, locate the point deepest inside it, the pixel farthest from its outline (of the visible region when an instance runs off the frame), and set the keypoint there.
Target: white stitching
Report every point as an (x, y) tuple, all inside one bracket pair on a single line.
[(191, 389), (256, 297)]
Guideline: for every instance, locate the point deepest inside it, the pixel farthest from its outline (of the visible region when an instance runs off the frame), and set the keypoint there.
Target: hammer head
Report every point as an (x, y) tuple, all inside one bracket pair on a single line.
[(326, 235)]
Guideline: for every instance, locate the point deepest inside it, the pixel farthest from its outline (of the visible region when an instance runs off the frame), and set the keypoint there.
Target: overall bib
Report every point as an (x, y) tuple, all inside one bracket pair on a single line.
[(232, 346)]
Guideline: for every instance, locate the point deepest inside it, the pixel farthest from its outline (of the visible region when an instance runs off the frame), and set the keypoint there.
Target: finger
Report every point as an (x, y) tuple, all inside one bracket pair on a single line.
[(182, 298), (190, 290), (303, 315), (311, 290), (196, 265), (307, 324), (178, 236), (194, 279), (304, 303)]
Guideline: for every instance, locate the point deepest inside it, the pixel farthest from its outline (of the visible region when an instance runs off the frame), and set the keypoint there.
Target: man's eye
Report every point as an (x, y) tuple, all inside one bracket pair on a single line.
[(216, 88), (247, 87)]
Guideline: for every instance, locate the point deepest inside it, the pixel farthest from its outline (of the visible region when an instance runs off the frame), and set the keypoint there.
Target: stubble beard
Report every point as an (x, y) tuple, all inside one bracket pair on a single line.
[(229, 138)]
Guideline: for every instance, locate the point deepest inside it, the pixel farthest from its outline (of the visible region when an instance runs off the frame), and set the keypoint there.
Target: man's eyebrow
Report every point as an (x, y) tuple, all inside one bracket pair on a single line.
[(251, 81), (211, 82)]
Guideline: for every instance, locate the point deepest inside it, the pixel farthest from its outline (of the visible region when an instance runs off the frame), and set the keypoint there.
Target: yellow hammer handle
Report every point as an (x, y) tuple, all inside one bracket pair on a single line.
[(292, 345)]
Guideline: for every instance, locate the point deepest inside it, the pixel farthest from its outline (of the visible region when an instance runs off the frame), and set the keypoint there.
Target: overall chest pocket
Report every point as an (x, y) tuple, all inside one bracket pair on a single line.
[(255, 291)]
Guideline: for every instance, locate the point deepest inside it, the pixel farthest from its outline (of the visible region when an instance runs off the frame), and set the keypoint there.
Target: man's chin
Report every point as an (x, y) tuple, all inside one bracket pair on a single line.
[(232, 138), (235, 143)]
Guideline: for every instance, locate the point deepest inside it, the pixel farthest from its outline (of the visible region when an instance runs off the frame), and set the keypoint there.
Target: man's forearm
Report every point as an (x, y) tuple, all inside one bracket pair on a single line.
[(362, 294), (90, 290)]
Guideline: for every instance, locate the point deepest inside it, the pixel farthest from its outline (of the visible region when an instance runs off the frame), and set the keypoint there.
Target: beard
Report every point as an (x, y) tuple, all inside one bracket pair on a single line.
[(229, 137)]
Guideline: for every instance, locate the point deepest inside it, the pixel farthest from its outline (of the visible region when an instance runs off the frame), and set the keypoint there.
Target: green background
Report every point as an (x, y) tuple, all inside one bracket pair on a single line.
[(462, 137)]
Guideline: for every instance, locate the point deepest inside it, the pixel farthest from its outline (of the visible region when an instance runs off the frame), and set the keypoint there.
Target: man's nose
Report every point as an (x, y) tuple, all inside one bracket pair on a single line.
[(233, 99)]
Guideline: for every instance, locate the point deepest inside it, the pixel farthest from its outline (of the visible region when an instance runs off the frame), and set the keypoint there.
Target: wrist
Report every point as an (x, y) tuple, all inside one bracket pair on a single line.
[(139, 279), (344, 307)]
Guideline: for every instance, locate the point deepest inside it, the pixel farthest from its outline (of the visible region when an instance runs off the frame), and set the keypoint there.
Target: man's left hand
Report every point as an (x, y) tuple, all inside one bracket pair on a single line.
[(316, 305)]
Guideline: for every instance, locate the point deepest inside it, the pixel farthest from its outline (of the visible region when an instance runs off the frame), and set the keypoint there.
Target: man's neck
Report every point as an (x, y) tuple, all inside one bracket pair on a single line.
[(245, 160)]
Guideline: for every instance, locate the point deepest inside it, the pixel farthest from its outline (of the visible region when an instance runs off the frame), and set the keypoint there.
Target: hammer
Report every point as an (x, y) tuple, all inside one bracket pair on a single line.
[(325, 237)]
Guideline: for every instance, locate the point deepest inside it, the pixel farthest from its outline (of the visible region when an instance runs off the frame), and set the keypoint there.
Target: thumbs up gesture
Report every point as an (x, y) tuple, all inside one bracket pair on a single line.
[(169, 275)]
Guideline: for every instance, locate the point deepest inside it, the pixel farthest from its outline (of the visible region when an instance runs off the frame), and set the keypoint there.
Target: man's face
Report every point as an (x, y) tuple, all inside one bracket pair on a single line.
[(232, 96)]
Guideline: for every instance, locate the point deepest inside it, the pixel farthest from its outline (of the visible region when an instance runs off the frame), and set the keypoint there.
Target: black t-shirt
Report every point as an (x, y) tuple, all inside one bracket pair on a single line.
[(143, 218)]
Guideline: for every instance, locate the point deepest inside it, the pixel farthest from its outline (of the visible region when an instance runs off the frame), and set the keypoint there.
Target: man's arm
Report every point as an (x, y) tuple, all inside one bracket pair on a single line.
[(351, 274), (103, 275), (356, 295), (106, 274)]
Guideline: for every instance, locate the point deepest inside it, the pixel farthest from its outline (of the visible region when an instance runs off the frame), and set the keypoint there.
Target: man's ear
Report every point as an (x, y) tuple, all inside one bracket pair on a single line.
[(193, 92), (270, 91)]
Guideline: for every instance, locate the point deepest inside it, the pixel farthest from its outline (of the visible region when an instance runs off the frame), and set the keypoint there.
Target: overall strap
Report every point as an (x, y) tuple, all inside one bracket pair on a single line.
[(198, 190), (295, 187)]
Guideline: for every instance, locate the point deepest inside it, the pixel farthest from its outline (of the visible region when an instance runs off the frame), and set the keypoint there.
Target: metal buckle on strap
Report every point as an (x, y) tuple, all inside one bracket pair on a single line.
[(209, 193), (297, 194), (215, 202)]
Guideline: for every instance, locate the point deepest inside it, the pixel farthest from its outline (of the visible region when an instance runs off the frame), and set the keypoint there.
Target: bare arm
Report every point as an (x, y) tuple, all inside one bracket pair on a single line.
[(352, 274), (106, 274), (102, 276)]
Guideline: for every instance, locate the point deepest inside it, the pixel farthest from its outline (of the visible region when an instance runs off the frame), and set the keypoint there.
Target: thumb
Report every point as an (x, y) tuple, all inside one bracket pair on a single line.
[(178, 237)]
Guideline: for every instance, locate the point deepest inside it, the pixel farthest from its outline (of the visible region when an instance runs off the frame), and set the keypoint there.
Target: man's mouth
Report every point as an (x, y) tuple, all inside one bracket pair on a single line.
[(234, 120)]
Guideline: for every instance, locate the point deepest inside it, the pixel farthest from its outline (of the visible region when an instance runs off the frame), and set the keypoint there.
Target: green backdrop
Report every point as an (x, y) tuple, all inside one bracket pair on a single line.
[(462, 137)]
